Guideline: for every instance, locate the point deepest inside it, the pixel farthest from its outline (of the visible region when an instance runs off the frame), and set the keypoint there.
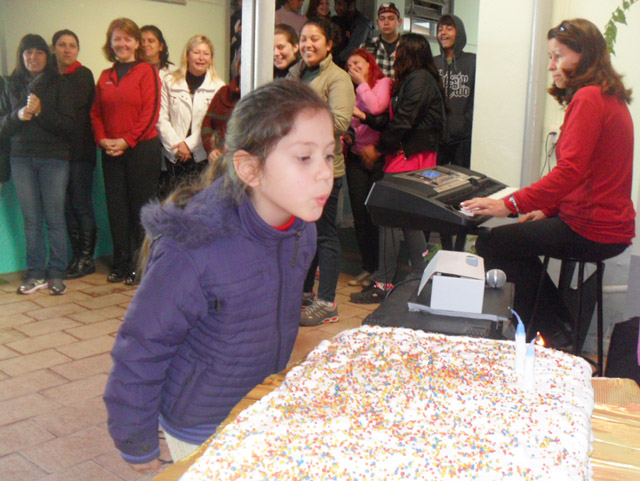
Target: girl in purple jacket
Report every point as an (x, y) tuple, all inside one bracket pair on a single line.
[(219, 304)]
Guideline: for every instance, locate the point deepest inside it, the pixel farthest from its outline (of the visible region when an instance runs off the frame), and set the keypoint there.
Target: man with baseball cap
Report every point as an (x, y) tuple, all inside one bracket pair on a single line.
[(383, 46)]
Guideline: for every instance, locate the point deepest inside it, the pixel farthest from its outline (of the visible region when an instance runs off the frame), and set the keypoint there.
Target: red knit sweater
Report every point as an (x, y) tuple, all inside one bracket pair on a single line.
[(590, 188), (128, 108)]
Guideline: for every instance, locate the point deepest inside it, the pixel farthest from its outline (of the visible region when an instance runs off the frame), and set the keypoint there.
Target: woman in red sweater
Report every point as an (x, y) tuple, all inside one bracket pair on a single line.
[(124, 116), (583, 207)]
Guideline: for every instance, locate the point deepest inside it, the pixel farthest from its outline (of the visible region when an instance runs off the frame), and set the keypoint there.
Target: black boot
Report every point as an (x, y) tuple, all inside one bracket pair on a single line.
[(74, 238), (86, 264)]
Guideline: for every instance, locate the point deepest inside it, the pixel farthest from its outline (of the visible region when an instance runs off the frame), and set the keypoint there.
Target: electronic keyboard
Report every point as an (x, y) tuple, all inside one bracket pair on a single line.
[(429, 199)]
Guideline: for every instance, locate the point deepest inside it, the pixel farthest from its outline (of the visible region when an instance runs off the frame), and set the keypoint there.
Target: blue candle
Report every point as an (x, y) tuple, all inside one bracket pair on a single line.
[(521, 346), (530, 365)]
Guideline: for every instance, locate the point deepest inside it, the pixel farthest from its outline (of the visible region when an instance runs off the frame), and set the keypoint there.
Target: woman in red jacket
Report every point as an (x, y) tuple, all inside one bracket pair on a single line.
[(124, 117), (583, 207)]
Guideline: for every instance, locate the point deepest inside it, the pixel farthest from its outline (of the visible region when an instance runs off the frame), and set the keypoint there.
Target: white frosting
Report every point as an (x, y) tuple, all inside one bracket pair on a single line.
[(390, 403)]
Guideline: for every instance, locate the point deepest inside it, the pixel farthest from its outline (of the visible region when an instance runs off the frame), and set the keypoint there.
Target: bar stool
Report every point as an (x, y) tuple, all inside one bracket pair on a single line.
[(567, 270)]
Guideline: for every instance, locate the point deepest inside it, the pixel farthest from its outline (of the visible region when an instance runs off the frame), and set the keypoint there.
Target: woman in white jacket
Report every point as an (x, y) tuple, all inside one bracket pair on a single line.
[(186, 94)]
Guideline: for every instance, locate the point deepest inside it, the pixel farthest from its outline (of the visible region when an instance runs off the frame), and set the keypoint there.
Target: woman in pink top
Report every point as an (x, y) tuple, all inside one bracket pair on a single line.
[(373, 94)]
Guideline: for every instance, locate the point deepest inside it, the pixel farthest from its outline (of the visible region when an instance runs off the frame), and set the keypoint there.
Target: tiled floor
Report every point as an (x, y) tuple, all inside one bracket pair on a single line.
[(54, 363)]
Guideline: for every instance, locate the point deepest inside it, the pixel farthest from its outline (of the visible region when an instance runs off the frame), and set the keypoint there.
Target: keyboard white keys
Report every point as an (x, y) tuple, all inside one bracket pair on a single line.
[(502, 193)]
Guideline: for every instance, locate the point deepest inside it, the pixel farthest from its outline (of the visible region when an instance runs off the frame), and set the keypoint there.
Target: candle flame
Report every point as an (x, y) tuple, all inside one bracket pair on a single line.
[(539, 340)]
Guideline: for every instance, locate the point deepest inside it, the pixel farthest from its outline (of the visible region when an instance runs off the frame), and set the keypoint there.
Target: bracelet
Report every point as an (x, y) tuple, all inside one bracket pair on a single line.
[(513, 201)]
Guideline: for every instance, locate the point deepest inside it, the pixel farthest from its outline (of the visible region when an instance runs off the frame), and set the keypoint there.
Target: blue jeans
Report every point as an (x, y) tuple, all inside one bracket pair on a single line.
[(41, 185)]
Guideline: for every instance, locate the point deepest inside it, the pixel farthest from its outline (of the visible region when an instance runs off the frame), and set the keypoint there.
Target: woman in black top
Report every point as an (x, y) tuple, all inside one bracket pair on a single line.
[(36, 114), (81, 222)]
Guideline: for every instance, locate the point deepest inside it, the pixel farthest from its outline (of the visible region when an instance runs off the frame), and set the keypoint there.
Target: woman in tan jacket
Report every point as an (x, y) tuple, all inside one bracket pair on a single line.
[(334, 86)]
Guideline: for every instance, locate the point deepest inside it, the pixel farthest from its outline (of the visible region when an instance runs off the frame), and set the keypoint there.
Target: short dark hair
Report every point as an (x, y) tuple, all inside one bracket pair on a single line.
[(60, 33), (446, 20), (326, 27)]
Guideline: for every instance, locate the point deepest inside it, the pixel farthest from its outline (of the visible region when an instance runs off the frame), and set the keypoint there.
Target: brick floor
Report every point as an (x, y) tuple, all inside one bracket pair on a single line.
[(54, 363)]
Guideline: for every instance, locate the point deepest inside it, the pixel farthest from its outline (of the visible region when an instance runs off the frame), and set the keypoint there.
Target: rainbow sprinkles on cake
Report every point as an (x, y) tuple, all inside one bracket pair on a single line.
[(380, 403)]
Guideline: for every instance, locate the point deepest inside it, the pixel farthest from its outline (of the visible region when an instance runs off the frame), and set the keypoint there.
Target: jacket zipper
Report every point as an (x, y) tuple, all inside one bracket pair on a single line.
[(295, 248), (279, 313)]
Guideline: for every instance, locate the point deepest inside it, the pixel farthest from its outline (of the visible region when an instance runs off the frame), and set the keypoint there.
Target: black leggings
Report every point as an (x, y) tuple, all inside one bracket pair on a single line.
[(515, 248), (130, 181)]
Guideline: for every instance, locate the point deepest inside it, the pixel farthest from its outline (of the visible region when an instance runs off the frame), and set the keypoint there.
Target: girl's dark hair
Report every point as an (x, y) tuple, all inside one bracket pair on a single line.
[(29, 41), (326, 27), (414, 53), (375, 73), (60, 33), (594, 66), (130, 28), (258, 122), (164, 53)]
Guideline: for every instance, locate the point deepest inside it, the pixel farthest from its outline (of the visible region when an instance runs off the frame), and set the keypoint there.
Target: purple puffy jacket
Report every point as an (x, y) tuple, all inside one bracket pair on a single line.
[(217, 311)]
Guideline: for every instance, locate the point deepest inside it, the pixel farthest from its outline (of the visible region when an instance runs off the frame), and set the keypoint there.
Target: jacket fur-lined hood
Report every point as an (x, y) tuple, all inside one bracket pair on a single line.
[(211, 213)]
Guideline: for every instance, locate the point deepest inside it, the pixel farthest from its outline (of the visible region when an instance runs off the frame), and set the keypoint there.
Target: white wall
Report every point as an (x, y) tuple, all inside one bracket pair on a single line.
[(501, 85), (89, 19)]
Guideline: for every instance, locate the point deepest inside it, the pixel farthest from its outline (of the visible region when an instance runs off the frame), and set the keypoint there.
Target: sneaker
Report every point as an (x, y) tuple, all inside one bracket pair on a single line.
[(319, 312), (32, 285), (57, 287), (373, 294), (359, 279), (307, 299)]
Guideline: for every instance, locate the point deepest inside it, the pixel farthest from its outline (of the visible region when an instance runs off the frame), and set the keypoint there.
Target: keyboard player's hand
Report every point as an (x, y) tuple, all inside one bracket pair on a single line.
[(486, 206), (534, 215)]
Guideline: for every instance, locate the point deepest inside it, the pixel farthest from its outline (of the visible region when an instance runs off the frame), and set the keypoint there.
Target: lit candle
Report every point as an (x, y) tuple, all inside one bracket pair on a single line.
[(530, 365), (521, 347)]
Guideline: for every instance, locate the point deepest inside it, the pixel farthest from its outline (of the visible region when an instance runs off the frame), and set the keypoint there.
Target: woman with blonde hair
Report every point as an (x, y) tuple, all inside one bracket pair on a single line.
[(186, 95)]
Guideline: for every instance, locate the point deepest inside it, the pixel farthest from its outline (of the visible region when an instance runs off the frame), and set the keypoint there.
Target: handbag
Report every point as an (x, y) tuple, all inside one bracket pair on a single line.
[(622, 359)]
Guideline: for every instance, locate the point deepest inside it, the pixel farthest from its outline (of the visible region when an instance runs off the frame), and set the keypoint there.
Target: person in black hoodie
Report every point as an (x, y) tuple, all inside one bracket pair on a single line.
[(458, 72), (81, 221), (36, 115)]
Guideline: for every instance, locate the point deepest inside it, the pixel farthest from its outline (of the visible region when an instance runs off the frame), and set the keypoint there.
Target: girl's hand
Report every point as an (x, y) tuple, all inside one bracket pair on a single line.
[(486, 206), (533, 215), (154, 466), (182, 153), (359, 114)]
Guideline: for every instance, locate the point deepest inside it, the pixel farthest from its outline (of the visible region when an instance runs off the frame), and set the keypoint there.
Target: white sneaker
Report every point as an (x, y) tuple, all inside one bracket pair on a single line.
[(32, 285)]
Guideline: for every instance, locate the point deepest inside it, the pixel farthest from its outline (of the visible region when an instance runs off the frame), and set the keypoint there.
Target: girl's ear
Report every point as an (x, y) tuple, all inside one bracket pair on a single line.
[(247, 167)]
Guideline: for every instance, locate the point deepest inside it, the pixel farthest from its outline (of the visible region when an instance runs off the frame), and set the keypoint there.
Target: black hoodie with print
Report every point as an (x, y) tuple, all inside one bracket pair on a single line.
[(458, 77)]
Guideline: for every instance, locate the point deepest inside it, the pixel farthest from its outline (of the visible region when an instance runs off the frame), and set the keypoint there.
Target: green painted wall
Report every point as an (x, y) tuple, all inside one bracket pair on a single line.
[(12, 247)]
